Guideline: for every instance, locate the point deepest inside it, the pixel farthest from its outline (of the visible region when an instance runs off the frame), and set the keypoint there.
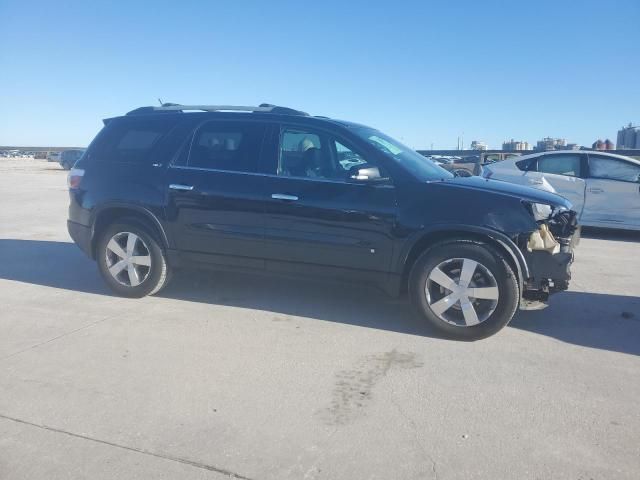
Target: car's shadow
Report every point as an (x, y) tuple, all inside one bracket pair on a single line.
[(611, 234), (609, 322)]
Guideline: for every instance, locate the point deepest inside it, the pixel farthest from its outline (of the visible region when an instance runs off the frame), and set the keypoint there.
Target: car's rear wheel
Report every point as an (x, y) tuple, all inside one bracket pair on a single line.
[(465, 290), (131, 260)]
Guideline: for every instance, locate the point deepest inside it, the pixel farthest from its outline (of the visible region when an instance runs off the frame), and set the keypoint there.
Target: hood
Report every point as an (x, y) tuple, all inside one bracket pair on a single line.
[(520, 191)]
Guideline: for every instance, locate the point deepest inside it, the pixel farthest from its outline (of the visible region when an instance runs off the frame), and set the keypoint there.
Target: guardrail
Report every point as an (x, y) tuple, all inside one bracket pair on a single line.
[(484, 153)]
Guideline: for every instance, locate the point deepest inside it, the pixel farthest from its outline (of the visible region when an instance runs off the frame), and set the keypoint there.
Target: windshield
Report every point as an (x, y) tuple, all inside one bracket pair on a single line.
[(421, 167)]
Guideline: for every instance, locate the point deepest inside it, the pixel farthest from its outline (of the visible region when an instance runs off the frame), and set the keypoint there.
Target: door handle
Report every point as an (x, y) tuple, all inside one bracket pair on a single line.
[(282, 196), (596, 190), (535, 182), (182, 188)]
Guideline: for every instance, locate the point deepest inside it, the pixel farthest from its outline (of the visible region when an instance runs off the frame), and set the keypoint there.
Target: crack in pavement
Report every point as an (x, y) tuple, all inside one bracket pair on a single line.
[(184, 461), (89, 325), (414, 427), (321, 455)]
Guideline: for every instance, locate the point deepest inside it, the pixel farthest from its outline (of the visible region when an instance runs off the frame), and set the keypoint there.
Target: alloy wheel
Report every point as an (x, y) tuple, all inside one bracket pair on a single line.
[(128, 259), (462, 292)]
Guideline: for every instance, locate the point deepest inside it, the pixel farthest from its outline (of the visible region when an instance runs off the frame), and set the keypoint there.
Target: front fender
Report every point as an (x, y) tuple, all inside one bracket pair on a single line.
[(453, 231)]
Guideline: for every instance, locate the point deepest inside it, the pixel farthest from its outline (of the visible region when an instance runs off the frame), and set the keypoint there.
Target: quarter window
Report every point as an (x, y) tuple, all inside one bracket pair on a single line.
[(227, 146), (568, 165), (613, 169), (129, 140)]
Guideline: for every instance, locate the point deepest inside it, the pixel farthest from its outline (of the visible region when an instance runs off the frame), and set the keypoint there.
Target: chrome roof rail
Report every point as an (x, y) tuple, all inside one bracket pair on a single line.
[(175, 107), (215, 108)]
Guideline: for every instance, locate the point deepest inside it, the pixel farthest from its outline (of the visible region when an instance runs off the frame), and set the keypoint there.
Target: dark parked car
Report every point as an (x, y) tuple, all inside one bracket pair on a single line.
[(274, 189)]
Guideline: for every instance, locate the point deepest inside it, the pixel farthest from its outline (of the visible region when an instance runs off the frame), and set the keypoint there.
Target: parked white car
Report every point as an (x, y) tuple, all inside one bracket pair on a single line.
[(604, 188)]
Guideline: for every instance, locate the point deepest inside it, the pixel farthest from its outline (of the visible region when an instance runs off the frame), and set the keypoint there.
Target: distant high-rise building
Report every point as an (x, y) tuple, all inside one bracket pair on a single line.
[(549, 143), (514, 145), (628, 138), (478, 145)]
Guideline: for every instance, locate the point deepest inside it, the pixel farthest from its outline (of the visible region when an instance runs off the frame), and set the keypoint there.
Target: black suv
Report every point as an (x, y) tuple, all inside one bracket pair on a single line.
[(271, 188)]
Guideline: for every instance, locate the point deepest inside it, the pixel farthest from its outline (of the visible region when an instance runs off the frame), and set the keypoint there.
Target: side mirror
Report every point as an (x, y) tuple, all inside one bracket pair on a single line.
[(366, 175)]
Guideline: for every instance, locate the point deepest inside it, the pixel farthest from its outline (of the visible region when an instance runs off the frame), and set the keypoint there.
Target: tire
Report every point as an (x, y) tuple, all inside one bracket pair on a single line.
[(453, 316), (151, 271), (66, 166)]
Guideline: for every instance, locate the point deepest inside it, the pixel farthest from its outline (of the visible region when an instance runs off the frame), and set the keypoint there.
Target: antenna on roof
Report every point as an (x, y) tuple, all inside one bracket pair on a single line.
[(160, 101)]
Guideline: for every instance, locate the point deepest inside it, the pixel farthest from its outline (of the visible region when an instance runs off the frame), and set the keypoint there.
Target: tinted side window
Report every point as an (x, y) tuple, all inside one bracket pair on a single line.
[(560, 164), (614, 169), (129, 140), (232, 146)]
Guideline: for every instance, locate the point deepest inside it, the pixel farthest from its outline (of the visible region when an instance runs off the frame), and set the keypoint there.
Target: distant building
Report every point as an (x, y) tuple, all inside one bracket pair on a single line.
[(549, 143), (603, 145), (478, 145), (513, 146), (628, 138), (572, 146)]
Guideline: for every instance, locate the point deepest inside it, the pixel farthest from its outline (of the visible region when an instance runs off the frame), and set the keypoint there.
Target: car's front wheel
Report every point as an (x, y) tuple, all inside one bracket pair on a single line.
[(465, 290), (131, 260)]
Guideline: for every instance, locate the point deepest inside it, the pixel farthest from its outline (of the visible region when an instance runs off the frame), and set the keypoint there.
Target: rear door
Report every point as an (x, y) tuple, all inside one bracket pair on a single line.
[(216, 194), (613, 193), (316, 215)]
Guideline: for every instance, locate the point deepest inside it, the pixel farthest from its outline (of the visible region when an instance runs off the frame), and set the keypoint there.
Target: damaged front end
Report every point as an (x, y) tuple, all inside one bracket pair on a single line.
[(548, 251)]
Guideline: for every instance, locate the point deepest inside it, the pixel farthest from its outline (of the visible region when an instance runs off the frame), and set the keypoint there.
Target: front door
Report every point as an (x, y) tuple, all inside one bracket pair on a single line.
[(317, 215), (216, 196), (564, 172)]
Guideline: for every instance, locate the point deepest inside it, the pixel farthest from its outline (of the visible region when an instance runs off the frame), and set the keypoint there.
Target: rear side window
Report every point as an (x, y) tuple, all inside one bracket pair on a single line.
[(230, 146), (129, 140), (137, 140), (613, 169)]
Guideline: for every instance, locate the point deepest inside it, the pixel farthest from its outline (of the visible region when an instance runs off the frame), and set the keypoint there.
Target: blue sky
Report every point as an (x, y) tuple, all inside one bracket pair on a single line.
[(422, 71)]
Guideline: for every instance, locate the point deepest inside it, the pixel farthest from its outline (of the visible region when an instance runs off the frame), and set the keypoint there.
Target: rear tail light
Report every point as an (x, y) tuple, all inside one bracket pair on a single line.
[(74, 178)]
